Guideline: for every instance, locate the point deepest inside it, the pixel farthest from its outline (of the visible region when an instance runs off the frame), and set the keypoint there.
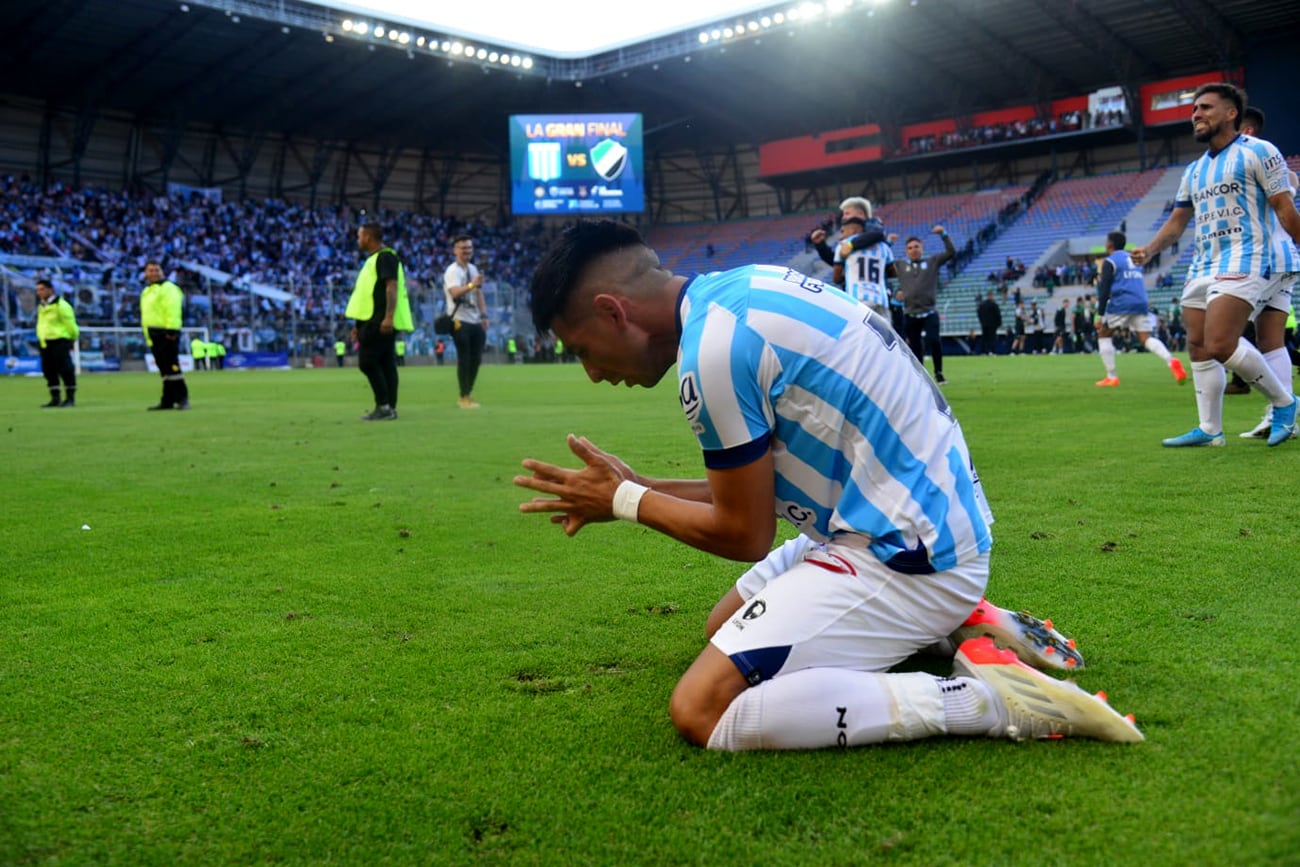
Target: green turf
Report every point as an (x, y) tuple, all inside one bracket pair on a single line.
[(288, 636)]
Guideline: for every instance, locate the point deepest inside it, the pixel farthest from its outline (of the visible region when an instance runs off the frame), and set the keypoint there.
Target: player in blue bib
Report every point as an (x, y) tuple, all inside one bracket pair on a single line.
[(1122, 303), (807, 407)]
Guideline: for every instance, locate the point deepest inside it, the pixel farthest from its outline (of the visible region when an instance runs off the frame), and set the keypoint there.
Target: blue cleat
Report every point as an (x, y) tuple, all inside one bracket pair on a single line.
[(1283, 426), (1194, 437)]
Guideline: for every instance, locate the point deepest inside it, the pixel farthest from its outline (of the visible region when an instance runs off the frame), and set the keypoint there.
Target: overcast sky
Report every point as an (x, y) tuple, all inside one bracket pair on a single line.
[(583, 27)]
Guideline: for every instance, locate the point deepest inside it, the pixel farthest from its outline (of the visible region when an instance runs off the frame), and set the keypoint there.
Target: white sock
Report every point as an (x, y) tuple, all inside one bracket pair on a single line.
[(1106, 348), (1279, 361), (827, 707), (1251, 366), (969, 707), (1156, 347), (1210, 380)]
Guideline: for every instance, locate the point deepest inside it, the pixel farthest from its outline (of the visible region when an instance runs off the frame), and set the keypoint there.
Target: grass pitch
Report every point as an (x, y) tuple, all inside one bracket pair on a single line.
[(264, 632)]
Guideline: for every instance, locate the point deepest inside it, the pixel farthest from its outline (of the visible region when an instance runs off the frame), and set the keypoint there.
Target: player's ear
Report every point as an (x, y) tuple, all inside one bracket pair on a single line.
[(610, 307)]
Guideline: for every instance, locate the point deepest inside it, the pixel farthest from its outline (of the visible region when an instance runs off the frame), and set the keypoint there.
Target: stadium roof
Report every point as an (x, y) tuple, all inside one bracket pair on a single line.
[(271, 66), (583, 28)]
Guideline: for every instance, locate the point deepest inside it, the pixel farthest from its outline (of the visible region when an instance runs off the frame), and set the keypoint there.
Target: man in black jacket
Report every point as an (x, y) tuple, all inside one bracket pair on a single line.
[(990, 316)]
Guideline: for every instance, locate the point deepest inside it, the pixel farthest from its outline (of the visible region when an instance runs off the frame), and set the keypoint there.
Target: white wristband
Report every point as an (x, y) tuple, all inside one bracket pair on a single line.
[(627, 499)]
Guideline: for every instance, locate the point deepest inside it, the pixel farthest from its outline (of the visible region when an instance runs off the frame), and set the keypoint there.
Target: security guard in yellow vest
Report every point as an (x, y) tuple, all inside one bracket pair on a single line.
[(340, 350), (56, 329), (400, 348), (161, 303), (216, 352), (379, 308), (199, 352)]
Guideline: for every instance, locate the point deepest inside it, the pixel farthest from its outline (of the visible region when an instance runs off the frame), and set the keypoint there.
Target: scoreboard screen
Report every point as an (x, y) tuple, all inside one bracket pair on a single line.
[(576, 164)]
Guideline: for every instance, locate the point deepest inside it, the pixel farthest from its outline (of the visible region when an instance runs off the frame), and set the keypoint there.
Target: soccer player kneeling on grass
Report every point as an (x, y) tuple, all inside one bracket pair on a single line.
[(808, 407)]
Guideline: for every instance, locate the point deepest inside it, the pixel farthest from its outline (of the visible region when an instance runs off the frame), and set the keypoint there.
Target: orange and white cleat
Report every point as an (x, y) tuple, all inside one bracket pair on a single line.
[(1037, 706), (1035, 641), (1108, 382), (1176, 368)]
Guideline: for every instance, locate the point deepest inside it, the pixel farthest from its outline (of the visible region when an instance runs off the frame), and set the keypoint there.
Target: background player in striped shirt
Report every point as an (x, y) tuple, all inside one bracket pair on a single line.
[(1229, 190), (1275, 301), (862, 268), (808, 407)]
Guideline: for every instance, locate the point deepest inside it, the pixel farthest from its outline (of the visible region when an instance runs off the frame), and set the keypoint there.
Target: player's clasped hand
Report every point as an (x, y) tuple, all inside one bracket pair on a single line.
[(583, 496)]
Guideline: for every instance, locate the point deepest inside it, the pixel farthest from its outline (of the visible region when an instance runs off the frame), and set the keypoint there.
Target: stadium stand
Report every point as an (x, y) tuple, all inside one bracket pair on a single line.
[(96, 243)]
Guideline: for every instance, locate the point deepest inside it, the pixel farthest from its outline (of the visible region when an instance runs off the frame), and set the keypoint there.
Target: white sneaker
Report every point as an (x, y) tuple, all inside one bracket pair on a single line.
[(1036, 705), (1260, 431)]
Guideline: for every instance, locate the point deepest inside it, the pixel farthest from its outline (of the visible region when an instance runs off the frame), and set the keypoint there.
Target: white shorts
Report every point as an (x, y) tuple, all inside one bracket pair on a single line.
[(1276, 294), (1199, 292), (1141, 322), (840, 607)]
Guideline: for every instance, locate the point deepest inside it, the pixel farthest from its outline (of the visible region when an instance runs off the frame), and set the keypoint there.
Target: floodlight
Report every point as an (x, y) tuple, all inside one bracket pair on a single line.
[(361, 27), (704, 37), (379, 31), (419, 42), (492, 57), (482, 54), (528, 63)]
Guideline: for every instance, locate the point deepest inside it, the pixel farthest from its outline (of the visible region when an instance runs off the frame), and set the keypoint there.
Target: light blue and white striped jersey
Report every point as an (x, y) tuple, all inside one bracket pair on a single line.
[(864, 274), (863, 440), (1286, 255), (1228, 191)]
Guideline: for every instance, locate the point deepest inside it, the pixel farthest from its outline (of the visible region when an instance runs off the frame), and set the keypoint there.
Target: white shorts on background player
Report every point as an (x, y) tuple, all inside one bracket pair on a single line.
[(1276, 295), (837, 606), (1200, 291), (1141, 322)]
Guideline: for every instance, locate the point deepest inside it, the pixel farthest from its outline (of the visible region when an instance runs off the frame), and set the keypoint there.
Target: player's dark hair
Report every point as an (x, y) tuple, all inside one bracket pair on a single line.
[(1255, 117), (373, 229), (1118, 240), (913, 238), (153, 262), (579, 245), (1235, 95), (46, 283), (459, 238)]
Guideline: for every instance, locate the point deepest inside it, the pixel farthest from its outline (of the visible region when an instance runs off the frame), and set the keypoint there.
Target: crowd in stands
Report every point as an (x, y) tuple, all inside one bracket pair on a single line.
[(1065, 274), (308, 252), (999, 133)]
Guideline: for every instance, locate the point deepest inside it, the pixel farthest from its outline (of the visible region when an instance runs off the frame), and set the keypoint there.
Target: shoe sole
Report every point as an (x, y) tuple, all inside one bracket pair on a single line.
[(1036, 642), (1039, 706)]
